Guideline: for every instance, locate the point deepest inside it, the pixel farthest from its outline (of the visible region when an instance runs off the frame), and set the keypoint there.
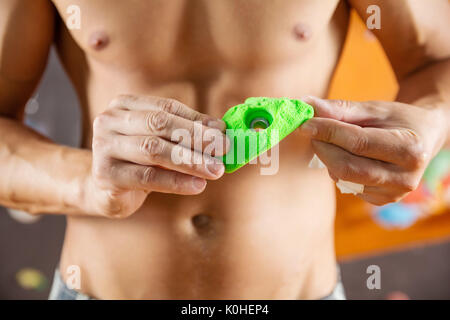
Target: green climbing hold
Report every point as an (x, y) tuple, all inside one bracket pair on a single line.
[(259, 124)]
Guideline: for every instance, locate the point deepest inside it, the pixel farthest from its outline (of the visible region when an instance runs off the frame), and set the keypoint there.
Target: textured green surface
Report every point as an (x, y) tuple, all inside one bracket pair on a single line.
[(283, 115)]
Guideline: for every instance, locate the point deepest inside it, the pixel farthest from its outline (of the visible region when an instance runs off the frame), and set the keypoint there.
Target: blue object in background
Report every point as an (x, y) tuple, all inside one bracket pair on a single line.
[(397, 215)]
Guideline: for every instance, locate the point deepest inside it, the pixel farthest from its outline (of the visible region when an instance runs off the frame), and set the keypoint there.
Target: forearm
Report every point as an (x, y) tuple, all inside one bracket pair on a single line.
[(430, 87), (39, 176)]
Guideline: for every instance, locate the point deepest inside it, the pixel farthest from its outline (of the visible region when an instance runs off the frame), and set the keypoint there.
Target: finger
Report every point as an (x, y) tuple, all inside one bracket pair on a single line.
[(172, 106), (383, 195), (168, 126), (151, 150), (375, 194), (147, 178), (375, 199), (349, 167), (389, 145), (343, 110), (395, 194), (384, 190)]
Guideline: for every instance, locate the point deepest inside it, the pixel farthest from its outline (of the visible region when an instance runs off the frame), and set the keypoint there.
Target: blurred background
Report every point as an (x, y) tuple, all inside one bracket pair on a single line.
[(409, 241)]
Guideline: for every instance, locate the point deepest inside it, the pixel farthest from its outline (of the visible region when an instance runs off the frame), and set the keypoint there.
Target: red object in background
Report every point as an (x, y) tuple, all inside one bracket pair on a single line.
[(446, 182), (419, 195)]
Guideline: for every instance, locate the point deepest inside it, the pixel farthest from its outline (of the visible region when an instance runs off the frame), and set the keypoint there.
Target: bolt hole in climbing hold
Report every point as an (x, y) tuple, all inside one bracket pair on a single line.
[(258, 119), (259, 124)]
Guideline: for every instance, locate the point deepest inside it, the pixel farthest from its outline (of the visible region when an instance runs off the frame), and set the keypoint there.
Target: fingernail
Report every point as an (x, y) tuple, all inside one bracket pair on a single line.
[(308, 129), (198, 183), (216, 168), (217, 124)]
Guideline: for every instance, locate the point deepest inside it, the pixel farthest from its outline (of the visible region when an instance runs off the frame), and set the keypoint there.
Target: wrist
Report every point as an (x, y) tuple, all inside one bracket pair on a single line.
[(84, 194), (79, 191)]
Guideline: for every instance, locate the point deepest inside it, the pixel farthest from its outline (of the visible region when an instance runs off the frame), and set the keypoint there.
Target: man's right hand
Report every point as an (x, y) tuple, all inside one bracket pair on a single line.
[(133, 146)]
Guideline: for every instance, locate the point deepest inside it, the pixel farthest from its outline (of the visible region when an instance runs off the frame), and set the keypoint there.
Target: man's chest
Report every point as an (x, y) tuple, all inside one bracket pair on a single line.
[(201, 32)]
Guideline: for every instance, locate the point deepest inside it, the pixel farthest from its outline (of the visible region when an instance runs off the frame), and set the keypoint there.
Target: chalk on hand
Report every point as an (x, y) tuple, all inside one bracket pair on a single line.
[(343, 186), (316, 163), (349, 187)]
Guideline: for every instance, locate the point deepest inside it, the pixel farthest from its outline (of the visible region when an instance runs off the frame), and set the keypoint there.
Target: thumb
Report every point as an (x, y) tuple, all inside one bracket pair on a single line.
[(343, 110)]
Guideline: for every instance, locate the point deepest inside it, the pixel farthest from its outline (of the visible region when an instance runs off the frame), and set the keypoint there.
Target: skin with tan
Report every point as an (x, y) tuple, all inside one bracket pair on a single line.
[(140, 226)]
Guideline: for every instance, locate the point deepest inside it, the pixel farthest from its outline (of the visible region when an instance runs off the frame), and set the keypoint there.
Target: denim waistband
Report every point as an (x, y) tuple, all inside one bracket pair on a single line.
[(60, 290)]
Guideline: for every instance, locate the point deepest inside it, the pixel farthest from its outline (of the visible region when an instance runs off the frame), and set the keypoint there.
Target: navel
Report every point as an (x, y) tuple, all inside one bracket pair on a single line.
[(302, 32), (98, 40), (201, 221)]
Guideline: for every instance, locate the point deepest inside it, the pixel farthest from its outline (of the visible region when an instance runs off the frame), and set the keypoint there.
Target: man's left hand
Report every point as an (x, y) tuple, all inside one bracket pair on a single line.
[(385, 146)]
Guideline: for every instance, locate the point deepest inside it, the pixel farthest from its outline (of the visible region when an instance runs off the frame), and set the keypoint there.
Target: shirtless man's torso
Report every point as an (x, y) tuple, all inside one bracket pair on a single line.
[(246, 235), (268, 237)]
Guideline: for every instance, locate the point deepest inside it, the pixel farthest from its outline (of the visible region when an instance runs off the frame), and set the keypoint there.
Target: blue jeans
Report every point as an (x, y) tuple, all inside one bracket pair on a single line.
[(60, 291)]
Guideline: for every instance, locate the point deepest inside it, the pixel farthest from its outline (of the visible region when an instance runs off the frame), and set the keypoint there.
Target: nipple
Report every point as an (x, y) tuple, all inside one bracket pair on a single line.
[(302, 32), (98, 40)]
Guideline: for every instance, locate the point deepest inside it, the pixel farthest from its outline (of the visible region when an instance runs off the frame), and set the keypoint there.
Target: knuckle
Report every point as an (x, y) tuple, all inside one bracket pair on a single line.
[(197, 116), (151, 146), (169, 105), (341, 103), (148, 176), (100, 121), (330, 133), (359, 144), (158, 121), (103, 119), (416, 155), (343, 106), (409, 184)]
